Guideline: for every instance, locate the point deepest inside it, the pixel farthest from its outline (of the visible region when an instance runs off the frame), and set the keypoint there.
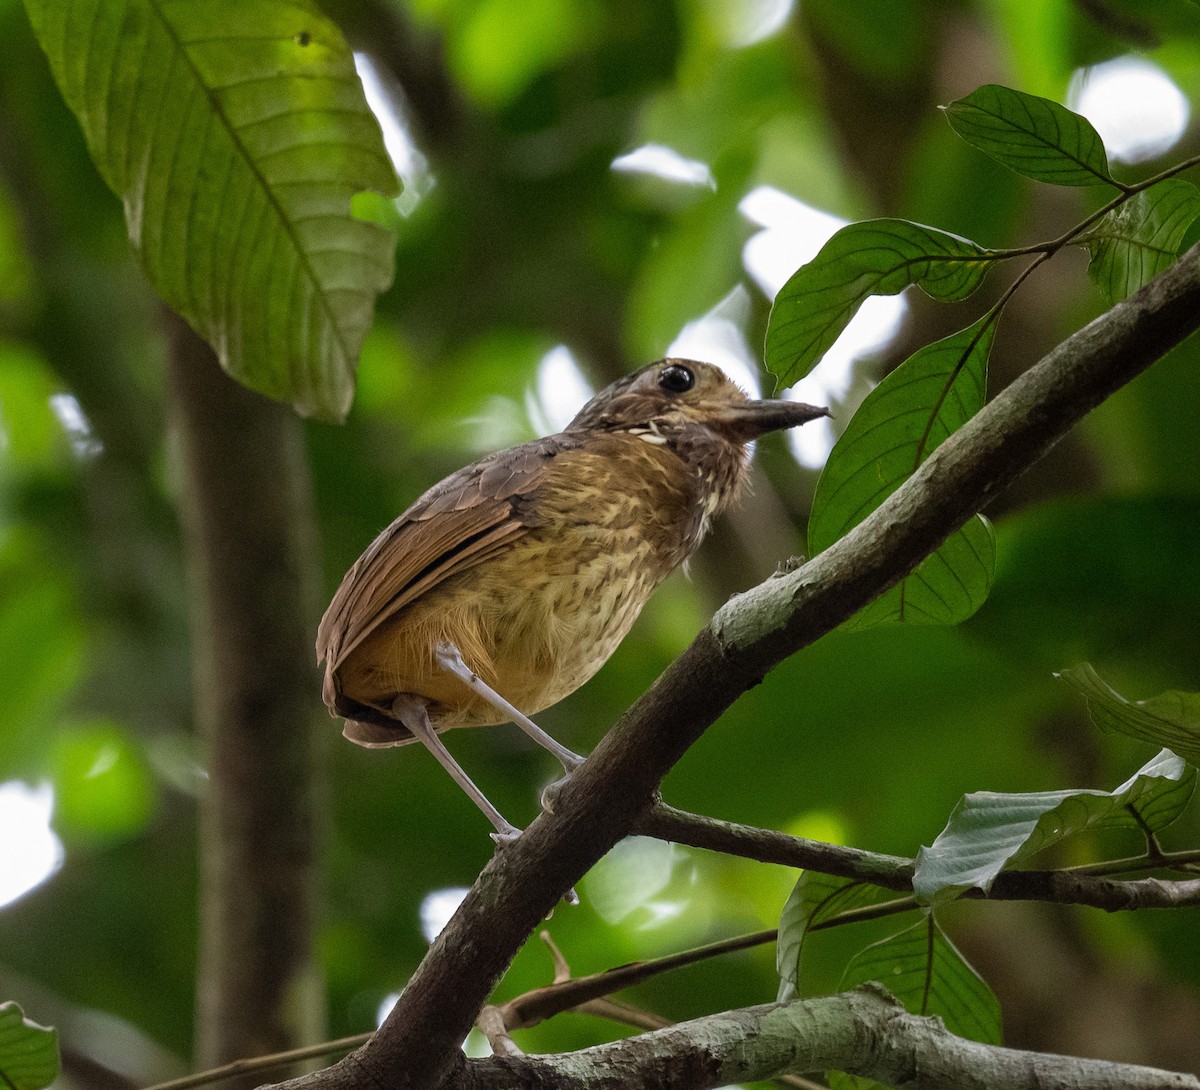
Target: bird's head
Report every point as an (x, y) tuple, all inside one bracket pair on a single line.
[(674, 397)]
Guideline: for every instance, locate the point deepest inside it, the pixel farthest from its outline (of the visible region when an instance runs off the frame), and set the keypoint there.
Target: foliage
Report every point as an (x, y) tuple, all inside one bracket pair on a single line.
[(988, 831), (1171, 718), (899, 424), (879, 257), (922, 969), (28, 1052), (1033, 136), (528, 239), (236, 155)]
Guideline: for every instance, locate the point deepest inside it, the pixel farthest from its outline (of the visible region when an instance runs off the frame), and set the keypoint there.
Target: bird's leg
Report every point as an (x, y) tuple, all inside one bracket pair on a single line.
[(411, 711), (449, 658)]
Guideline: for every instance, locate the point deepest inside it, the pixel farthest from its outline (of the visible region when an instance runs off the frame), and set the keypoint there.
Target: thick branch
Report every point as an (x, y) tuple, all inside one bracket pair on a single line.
[(864, 1032), (418, 1045)]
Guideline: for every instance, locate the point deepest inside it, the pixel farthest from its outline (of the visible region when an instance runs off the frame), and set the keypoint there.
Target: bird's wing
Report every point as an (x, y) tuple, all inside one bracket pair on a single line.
[(457, 524)]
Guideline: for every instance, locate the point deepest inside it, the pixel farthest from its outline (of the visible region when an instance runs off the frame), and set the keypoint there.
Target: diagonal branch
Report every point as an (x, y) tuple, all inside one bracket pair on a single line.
[(418, 1046), (567, 993)]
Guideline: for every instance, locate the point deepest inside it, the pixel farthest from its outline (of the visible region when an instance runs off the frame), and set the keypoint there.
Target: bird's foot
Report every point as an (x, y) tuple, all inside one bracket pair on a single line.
[(413, 713), (506, 836), (571, 764), (510, 835), (375, 735), (551, 792)]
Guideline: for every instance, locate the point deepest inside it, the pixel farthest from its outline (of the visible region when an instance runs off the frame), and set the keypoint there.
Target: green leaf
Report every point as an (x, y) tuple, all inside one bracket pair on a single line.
[(923, 969), (28, 1052), (901, 422), (875, 257), (236, 135), (1031, 135), (989, 831), (1138, 240), (815, 898), (1171, 719), (946, 588)]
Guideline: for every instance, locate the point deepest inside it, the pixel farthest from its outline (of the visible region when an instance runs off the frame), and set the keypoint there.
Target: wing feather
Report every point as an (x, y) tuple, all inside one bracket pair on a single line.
[(460, 522)]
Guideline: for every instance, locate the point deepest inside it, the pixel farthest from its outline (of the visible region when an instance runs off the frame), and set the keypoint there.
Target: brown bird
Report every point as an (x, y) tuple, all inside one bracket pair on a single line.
[(521, 573)]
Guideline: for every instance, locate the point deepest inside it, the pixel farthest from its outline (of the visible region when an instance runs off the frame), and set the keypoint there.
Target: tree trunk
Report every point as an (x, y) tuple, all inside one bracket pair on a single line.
[(246, 508)]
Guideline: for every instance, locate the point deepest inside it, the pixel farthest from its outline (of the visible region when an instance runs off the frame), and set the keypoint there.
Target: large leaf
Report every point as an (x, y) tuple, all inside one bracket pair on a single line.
[(988, 831), (28, 1052), (1170, 719), (875, 257), (923, 969), (1140, 238), (236, 135), (1031, 135), (815, 898), (901, 422)]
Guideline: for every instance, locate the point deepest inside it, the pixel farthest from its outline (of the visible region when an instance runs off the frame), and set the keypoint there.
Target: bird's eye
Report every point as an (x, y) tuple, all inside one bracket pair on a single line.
[(676, 379)]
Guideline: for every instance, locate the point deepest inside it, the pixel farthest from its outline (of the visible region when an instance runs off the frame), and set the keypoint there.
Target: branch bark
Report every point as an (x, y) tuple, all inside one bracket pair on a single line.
[(418, 1046), (864, 1032), (247, 519)]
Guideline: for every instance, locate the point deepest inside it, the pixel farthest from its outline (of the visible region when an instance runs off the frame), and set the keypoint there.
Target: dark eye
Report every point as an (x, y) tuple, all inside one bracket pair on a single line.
[(676, 379)]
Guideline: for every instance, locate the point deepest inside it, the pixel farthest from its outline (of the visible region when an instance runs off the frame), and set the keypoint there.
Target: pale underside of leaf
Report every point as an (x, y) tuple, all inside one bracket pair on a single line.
[(989, 831), (814, 898), (236, 137)]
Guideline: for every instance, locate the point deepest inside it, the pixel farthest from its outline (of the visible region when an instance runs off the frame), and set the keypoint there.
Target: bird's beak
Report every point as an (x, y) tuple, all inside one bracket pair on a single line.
[(743, 421)]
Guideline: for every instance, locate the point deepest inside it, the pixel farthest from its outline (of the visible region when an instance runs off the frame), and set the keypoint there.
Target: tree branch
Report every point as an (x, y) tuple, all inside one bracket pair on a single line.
[(770, 846), (1068, 887), (572, 993), (864, 1032), (418, 1045)]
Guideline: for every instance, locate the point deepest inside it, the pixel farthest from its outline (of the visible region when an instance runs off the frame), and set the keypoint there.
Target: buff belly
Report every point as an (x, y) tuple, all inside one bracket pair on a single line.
[(534, 633)]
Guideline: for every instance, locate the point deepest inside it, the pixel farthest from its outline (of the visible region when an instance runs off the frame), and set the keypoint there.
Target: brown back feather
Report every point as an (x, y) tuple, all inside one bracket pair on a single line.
[(458, 523)]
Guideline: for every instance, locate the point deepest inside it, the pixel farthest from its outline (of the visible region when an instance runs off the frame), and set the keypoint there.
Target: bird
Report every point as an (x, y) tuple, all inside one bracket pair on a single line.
[(508, 584)]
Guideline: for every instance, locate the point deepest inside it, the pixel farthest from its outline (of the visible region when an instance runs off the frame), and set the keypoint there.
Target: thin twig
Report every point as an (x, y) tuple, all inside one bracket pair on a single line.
[(258, 1064), (492, 1025), (538, 1004)]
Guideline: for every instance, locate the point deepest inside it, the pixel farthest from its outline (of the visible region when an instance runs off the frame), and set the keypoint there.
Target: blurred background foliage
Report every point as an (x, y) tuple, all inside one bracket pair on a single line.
[(517, 239)]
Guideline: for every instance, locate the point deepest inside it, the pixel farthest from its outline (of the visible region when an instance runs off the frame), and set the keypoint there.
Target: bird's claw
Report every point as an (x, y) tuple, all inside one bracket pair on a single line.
[(551, 792)]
